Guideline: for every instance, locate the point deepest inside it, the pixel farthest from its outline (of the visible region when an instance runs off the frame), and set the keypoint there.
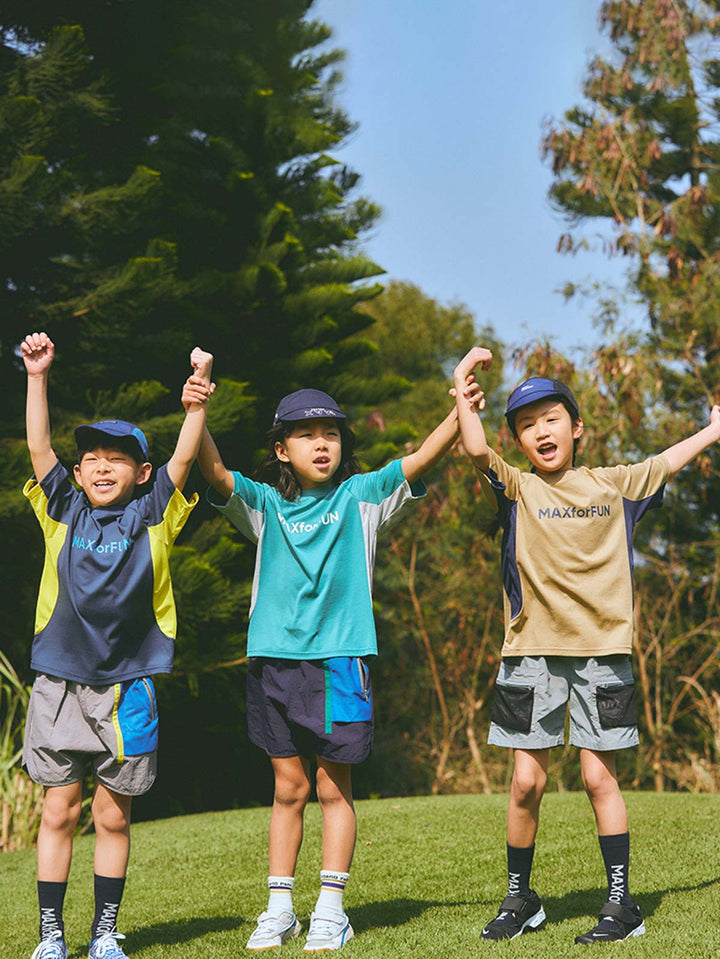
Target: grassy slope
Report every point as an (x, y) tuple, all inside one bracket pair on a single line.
[(428, 873)]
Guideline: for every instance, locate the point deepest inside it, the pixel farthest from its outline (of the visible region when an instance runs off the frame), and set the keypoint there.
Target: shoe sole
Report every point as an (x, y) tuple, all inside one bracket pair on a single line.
[(637, 931), (345, 940), (292, 933), (530, 925)]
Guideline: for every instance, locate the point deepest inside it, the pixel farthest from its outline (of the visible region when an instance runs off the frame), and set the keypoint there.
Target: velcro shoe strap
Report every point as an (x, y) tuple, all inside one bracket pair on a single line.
[(512, 903), (616, 910)]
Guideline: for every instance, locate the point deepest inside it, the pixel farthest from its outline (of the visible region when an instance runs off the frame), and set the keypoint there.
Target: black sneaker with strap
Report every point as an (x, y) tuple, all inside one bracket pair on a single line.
[(518, 914), (617, 922)]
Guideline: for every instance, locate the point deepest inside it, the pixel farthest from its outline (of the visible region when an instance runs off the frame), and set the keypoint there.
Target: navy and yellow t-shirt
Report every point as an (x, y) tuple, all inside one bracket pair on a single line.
[(105, 610)]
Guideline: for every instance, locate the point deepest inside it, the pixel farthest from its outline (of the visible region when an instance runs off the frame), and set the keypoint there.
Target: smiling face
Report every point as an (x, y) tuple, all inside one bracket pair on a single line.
[(108, 476), (546, 434), (313, 448)]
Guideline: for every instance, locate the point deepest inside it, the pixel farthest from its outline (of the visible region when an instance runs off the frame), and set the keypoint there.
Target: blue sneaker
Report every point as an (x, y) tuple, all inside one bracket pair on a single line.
[(52, 947), (106, 947)]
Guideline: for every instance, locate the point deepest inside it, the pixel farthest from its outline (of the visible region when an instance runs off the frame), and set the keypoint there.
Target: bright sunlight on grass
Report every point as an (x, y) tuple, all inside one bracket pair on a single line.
[(428, 873)]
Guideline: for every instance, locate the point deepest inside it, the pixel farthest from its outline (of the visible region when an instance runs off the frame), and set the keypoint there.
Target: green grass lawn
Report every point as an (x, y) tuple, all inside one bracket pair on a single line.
[(428, 873)]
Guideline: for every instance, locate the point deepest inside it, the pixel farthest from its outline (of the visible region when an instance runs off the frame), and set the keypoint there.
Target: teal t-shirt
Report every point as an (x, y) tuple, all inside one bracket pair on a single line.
[(312, 587)]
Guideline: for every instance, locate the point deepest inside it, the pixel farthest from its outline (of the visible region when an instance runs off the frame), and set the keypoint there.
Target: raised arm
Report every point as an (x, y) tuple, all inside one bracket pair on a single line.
[(436, 445), (38, 353), (212, 467), (471, 428), (680, 454), (196, 393), (433, 448)]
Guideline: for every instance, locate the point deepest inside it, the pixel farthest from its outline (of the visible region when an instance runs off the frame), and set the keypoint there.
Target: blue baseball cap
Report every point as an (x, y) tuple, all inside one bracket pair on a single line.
[(84, 434), (307, 405), (538, 388)]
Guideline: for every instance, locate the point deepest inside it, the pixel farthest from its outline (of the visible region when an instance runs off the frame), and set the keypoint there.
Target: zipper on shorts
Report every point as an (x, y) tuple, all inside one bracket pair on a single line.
[(149, 691), (364, 677)]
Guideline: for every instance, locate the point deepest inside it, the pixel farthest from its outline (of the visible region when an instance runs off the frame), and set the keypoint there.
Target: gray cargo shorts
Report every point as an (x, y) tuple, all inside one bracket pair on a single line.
[(532, 695), (110, 731)]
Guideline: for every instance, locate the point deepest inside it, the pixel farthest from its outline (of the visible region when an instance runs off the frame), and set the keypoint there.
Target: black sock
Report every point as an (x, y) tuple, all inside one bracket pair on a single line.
[(519, 859), (616, 855), (51, 896), (108, 896)]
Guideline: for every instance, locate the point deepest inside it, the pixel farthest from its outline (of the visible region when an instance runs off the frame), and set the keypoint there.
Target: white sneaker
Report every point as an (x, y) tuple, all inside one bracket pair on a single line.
[(273, 928), (53, 947), (107, 946), (328, 932)]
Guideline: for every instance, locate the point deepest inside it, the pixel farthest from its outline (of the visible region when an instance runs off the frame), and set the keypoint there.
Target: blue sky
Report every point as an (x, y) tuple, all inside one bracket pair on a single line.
[(450, 97)]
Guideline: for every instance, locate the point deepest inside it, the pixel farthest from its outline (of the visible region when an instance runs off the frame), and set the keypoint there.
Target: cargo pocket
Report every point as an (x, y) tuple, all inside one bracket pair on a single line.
[(616, 706), (349, 690), (513, 707), (137, 717)]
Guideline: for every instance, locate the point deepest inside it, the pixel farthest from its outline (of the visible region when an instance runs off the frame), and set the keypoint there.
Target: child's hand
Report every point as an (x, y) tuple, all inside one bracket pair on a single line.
[(201, 363), (472, 393), (38, 352), (715, 418), (477, 356), (196, 390)]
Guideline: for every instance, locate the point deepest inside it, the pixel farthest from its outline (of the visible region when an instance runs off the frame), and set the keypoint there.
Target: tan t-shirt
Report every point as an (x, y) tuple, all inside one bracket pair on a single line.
[(567, 554)]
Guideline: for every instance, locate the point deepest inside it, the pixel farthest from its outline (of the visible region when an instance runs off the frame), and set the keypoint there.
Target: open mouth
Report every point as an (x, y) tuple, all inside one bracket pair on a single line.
[(547, 450)]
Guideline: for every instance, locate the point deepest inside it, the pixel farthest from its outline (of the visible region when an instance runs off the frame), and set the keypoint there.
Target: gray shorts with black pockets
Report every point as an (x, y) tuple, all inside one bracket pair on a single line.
[(532, 694)]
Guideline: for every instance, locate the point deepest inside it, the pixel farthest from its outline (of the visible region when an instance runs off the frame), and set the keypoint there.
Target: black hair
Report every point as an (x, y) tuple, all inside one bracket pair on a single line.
[(283, 477), (96, 439)]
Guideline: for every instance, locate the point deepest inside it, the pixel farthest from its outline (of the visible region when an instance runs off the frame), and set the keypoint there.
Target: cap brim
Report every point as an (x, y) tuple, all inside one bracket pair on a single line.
[(87, 432)]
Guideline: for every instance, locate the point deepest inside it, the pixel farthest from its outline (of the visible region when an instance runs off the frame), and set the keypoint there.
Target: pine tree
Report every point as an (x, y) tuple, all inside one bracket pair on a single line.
[(169, 179)]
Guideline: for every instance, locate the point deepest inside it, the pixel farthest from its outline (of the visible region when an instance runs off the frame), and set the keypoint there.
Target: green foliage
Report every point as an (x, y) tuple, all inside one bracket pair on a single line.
[(167, 179), (20, 799), (641, 155), (438, 634)]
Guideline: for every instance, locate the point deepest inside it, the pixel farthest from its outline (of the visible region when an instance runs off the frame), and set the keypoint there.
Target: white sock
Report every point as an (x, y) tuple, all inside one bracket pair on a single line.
[(280, 898), (332, 887)]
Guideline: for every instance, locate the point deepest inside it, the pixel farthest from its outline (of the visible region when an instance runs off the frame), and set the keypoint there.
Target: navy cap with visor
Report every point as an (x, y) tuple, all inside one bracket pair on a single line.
[(538, 388), (109, 428), (307, 405)]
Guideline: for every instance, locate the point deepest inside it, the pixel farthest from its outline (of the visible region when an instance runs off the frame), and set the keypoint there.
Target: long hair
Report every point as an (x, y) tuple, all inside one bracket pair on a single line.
[(283, 477)]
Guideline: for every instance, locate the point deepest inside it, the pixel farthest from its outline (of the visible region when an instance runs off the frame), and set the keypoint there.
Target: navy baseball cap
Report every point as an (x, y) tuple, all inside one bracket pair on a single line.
[(538, 388), (83, 434), (307, 405)]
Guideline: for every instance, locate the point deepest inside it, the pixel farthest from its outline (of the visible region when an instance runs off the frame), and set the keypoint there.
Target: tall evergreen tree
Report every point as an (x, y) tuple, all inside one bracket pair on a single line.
[(167, 177)]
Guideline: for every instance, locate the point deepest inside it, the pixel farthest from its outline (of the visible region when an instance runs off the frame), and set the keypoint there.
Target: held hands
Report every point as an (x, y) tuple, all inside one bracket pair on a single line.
[(477, 356), (201, 363), (715, 419), (464, 377), (472, 393), (38, 353), (198, 388)]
